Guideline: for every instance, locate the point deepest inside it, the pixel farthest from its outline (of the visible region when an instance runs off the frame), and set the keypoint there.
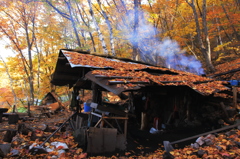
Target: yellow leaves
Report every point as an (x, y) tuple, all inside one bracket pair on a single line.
[(175, 153), (220, 47)]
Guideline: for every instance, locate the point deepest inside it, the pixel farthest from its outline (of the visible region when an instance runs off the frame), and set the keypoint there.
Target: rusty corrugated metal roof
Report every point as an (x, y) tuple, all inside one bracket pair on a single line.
[(122, 75)]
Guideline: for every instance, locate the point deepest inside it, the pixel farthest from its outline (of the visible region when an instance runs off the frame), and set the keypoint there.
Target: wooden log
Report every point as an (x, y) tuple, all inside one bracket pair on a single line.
[(234, 89)]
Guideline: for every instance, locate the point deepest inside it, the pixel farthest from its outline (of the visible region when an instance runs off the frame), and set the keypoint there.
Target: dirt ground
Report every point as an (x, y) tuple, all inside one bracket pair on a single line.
[(143, 143), (139, 142)]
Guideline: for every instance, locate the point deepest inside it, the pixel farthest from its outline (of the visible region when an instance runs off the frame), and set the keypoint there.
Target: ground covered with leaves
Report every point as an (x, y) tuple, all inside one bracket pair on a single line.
[(27, 139)]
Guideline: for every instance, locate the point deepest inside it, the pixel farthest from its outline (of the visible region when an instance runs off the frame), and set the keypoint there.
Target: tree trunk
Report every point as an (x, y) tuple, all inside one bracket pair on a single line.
[(109, 28), (231, 23), (84, 21), (205, 29), (205, 52), (38, 71), (135, 30), (31, 76), (100, 36), (73, 23)]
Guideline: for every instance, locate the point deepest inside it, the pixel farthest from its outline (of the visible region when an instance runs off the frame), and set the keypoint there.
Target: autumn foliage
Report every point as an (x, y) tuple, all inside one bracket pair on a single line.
[(36, 30)]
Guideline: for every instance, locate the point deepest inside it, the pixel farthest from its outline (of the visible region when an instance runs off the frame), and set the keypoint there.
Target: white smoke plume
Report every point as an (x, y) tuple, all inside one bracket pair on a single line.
[(152, 47)]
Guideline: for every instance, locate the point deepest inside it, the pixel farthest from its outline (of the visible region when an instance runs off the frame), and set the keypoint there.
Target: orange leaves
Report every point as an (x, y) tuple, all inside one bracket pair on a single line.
[(95, 61), (207, 87), (224, 146)]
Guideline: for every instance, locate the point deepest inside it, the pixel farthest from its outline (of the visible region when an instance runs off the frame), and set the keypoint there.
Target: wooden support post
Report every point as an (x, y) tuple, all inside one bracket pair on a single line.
[(102, 123), (99, 121), (234, 89), (76, 123), (125, 126), (108, 123)]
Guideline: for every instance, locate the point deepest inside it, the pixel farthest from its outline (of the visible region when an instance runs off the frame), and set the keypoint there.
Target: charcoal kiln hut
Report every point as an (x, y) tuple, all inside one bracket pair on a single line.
[(150, 94)]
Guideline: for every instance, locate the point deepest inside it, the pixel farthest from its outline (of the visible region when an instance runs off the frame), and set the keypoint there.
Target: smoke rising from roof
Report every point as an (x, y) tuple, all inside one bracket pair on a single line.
[(152, 48)]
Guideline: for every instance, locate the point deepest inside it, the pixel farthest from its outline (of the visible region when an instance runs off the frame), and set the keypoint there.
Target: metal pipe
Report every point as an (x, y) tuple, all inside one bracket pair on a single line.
[(40, 146)]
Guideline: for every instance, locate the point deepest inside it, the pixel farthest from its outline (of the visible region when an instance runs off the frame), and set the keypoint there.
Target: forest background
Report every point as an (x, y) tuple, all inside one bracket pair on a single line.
[(191, 35)]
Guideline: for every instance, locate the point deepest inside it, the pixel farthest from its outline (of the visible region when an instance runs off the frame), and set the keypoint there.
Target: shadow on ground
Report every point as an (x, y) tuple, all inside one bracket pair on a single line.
[(142, 142)]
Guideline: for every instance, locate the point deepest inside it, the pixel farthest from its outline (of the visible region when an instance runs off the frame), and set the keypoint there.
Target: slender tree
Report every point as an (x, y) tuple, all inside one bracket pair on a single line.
[(205, 48), (100, 35), (21, 32), (109, 28), (11, 81)]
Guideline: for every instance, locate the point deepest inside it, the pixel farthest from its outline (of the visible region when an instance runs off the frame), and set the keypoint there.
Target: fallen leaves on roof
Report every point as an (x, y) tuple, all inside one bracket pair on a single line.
[(134, 74), (210, 87), (202, 84), (96, 61), (222, 95), (227, 67)]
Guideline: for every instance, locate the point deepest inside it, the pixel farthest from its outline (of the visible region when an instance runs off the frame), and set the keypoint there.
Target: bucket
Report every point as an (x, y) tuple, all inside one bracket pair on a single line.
[(234, 82), (86, 107)]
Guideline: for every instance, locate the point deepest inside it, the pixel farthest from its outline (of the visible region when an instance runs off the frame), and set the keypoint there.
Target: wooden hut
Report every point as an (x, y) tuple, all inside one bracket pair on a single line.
[(155, 94), (51, 100)]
